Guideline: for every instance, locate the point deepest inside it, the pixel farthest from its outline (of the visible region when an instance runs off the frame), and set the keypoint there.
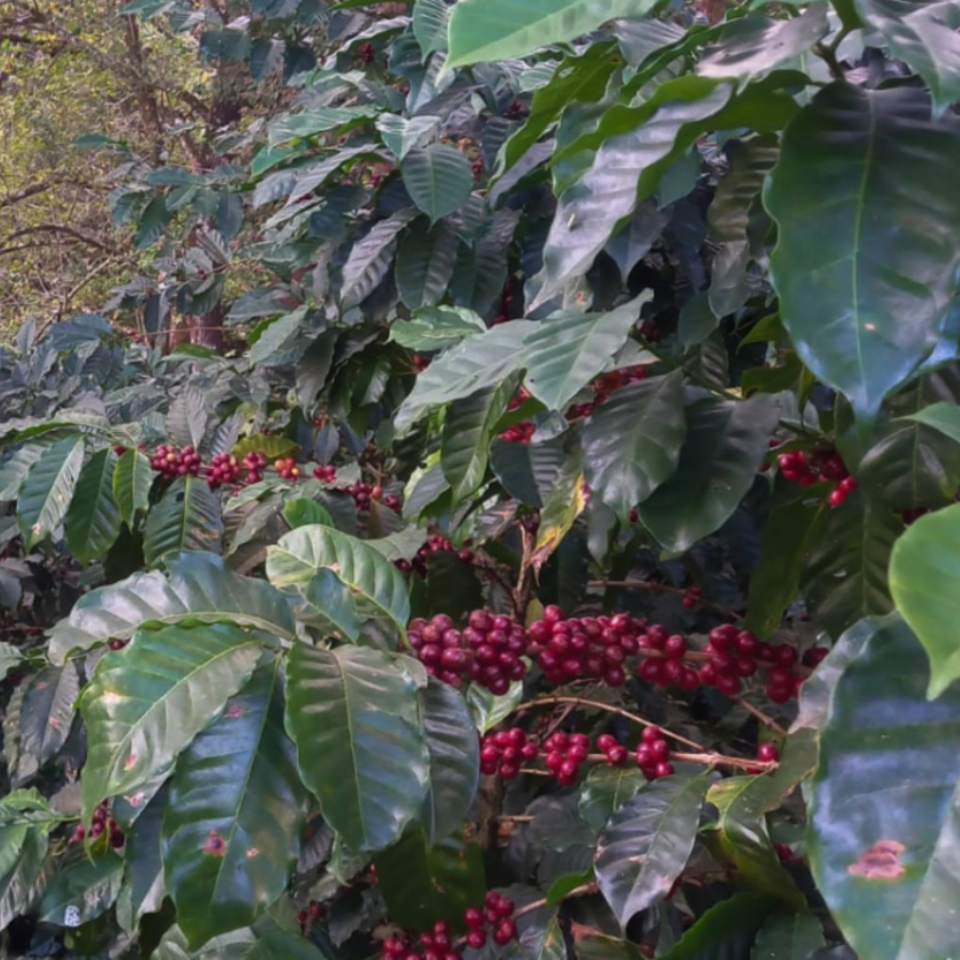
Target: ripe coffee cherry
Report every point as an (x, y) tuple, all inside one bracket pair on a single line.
[(473, 917), (223, 469), (476, 939), (768, 752), (325, 474), (815, 656)]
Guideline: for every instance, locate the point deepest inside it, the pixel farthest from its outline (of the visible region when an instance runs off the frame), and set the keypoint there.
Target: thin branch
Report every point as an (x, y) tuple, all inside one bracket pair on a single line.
[(60, 228), (761, 716)]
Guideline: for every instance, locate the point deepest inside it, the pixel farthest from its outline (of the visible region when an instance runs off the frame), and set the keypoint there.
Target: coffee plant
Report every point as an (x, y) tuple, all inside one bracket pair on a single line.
[(512, 515)]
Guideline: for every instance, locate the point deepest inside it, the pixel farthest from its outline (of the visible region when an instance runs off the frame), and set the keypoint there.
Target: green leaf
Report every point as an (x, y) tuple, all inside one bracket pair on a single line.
[(561, 507), (93, 518), (152, 223), (272, 446), (488, 709), (46, 717), (741, 832), (186, 422), (884, 802), (467, 431), (361, 746), (632, 441), (749, 48), (328, 604), (88, 886), (186, 518), (725, 931), (438, 178), (400, 134), (624, 172), (782, 937), (924, 36), (132, 479), (370, 258), (646, 843), (144, 889), (319, 120), (300, 554), (489, 30), (604, 792), (198, 587), (864, 314), (302, 512), (791, 526), (430, 25), (436, 328), (943, 417), (528, 471), (454, 760), (10, 656), (147, 702), (22, 885), (924, 575), (567, 350), (48, 489), (423, 883), (283, 945), (481, 361), (845, 567), (725, 445), (425, 263), (231, 829), (729, 220), (270, 344)]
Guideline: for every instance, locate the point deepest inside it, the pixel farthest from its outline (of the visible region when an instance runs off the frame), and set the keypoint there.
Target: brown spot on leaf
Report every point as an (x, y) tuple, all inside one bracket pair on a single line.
[(130, 762), (216, 846), (880, 862)]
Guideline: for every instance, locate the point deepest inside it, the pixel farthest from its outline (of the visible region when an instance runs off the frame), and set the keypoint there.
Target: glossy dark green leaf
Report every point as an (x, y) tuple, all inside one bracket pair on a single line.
[(186, 423), (481, 361), (300, 554), (632, 441), (487, 709), (302, 512), (147, 702), (750, 47), (371, 257), (438, 178), (23, 884), (454, 760), (93, 518), (792, 524), (864, 312), (785, 937), (143, 890), (401, 134), (624, 172), (729, 220), (46, 717), (924, 36), (741, 833), (188, 517), (845, 567), (486, 30), (725, 445), (48, 489), (884, 803), (132, 479), (424, 883), (726, 931), (430, 25), (328, 604), (361, 746), (923, 582), (943, 417), (646, 843), (152, 223), (197, 587), (231, 829), (436, 328), (605, 790), (567, 350), (425, 262), (283, 945), (87, 888), (467, 432), (562, 505)]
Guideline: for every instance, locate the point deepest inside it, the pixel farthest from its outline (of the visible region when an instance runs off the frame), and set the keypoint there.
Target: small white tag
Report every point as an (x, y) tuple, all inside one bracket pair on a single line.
[(71, 917)]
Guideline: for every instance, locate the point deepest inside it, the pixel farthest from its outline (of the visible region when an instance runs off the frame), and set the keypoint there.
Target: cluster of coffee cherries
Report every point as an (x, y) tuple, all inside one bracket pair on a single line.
[(519, 432), (496, 917), (325, 474), (596, 647), (653, 754), (478, 167), (692, 597), (224, 469), (435, 544), (101, 823), (436, 945), (737, 654), (287, 468), (807, 469), (615, 752), (668, 670), (366, 53), (171, 463), (364, 493), (313, 911), (604, 385), (564, 754), (504, 751), (487, 650)]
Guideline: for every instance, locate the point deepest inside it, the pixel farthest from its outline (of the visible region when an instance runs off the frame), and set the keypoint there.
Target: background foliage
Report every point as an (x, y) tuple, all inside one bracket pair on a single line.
[(505, 503)]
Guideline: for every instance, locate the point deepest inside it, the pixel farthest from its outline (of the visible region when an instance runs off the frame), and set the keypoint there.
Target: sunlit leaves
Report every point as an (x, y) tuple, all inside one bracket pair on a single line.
[(48, 489)]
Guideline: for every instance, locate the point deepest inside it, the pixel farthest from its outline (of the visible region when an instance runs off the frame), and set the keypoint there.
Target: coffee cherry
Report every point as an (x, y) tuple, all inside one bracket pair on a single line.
[(504, 933), (476, 939), (473, 917), (768, 752)]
